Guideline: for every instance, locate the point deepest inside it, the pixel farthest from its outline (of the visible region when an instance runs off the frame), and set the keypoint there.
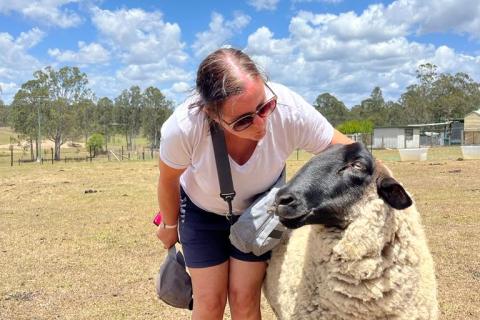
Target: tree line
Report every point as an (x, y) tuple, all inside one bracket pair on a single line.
[(58, 104), (436, 97)]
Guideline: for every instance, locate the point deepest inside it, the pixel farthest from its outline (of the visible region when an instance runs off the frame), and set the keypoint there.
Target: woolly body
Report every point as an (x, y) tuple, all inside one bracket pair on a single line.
[(379, 267)]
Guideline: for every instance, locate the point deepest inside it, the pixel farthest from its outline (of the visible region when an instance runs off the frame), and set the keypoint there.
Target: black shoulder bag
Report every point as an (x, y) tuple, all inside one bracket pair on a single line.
[(258, 229)]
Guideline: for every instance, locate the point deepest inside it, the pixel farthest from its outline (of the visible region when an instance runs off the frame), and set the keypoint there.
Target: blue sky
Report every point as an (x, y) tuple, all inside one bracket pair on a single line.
[(344, 47)]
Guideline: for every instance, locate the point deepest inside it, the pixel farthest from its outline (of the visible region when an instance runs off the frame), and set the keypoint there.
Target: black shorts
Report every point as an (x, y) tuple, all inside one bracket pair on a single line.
[(204, 237)]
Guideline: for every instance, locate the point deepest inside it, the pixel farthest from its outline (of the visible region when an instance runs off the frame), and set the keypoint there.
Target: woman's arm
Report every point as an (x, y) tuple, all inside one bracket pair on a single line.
[(340, 138), (168, 194)]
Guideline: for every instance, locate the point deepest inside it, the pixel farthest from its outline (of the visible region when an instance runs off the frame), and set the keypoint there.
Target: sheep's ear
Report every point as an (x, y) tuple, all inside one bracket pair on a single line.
[(393, 193)]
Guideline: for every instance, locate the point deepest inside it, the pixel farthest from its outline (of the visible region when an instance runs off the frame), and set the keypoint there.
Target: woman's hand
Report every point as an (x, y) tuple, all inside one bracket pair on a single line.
[(168, 236)]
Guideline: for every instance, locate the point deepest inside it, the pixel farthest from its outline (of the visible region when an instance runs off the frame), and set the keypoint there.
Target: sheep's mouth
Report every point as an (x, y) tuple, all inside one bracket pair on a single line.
[(291, 216), (294, 223), (315, 216)]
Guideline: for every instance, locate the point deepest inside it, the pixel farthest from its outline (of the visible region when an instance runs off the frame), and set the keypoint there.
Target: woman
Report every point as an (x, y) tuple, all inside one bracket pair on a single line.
[(263, 124)]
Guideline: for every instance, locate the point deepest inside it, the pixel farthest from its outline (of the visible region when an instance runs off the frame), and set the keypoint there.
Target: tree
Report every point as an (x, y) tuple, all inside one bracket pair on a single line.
[(439, 97), (395, 114), (104, 116), (417, 100), (331, 108), (128, 108), (372, 108), (156, 110), (453, 96), (85, 120), (28, 109), (66, 88), (4, 114)]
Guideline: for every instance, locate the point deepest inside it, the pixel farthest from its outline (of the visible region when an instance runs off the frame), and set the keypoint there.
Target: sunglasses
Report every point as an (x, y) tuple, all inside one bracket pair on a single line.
[(263, 111)]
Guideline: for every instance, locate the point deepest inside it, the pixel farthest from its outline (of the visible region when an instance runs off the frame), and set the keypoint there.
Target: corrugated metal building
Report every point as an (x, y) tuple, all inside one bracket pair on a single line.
[(396, 138)]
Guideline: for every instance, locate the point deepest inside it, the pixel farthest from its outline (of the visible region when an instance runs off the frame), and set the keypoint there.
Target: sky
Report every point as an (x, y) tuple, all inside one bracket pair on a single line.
[(345, 48)]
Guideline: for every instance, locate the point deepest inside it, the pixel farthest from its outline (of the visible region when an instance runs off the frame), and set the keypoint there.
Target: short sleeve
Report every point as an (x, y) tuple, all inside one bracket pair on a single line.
[(175, 150), (313, 132)]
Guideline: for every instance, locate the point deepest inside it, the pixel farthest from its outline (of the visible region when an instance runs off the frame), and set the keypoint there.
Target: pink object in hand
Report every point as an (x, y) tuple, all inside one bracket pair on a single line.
[(158, 219)]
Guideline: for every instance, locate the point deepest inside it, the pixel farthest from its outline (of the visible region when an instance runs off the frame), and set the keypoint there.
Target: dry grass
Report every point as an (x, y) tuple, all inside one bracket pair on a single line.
[(67, 254)]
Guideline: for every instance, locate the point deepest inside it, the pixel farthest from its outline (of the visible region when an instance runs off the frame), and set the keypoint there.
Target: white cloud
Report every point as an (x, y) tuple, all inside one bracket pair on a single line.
[(30, 38), (262, 42), (112, 85), (16, 65), (450, 61), (324, 1), (149, 49), (181, 87), (152, 73), (87, 54), (219, 33), (259, 5), (371, 25), (426, 16), (48, 12), (7, 89), (140, 37), (349, 54)]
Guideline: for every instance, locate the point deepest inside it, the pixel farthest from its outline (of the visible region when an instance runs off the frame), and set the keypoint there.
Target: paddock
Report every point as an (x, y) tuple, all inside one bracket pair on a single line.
[(70, 254)]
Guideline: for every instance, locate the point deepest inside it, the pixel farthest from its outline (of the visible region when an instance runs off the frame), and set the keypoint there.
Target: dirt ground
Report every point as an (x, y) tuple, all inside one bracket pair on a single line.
[(67, 254)]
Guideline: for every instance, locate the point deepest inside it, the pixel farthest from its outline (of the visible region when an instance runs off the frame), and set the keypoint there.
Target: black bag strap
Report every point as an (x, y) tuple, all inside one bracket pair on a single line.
[(223, 167)]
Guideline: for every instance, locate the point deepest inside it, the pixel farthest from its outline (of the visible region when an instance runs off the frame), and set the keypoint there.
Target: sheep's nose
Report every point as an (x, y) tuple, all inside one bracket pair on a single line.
[(287, 199), (286, 204)]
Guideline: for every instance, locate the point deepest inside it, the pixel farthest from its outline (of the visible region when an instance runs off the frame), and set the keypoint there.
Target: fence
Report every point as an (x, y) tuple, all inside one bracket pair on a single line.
[(22, 156), (365, 138), (79, 155)]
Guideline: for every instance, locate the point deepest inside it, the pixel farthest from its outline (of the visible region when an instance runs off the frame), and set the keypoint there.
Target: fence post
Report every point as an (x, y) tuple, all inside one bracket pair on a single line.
[(143, 154), (11, 155), (52, 154), (122, 152)]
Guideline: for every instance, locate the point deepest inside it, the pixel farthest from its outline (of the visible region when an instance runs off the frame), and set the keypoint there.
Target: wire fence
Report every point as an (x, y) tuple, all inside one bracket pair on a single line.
[(67, 155), (21, 155)]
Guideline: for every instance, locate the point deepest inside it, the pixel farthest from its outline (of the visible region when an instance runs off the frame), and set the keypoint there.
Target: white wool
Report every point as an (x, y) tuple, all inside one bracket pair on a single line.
[(379, 267)]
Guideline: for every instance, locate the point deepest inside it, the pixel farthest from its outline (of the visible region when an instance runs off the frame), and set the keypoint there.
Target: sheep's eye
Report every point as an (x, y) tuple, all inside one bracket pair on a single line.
[(339, 172), (357, 165)]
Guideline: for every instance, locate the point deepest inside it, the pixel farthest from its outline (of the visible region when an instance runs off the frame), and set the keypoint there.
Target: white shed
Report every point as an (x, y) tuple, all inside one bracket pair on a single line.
[(396, 138)]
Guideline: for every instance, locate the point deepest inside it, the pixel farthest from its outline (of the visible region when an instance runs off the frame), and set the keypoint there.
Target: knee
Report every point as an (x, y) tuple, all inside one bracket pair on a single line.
[(244, 297), (208, 303)]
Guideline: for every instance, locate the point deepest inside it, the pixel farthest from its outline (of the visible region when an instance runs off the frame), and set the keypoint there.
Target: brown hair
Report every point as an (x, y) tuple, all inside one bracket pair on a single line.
[(220, 76)]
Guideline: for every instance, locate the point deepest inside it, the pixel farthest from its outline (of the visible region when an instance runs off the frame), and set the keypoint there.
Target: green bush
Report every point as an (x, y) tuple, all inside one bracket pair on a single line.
[(356, 126), (95, 142)]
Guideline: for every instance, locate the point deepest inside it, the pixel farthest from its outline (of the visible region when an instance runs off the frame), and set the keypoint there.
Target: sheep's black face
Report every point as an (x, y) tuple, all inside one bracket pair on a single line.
[(325, 186)]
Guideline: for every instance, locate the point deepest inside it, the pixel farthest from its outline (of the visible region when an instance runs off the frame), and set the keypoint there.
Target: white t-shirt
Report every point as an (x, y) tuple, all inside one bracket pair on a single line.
[(186, 143)]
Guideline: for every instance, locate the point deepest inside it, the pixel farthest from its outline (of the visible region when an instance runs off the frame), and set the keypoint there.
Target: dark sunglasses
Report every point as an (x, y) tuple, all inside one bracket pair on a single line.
[(262, 111)]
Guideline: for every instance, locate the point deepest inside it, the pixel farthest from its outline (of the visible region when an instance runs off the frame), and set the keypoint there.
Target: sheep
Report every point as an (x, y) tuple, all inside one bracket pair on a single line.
[(355, 247)]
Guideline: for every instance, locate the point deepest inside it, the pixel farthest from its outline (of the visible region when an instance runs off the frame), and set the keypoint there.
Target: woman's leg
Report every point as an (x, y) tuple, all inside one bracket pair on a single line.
[(244, 288), (209, 291), (204, 239)]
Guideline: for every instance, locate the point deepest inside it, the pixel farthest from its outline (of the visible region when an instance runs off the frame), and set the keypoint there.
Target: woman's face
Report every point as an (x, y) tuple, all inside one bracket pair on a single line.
[(246, 103)]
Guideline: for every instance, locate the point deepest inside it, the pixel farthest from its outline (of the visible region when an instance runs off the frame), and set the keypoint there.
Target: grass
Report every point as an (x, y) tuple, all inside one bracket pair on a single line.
[(5, 134), (67, 254)]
